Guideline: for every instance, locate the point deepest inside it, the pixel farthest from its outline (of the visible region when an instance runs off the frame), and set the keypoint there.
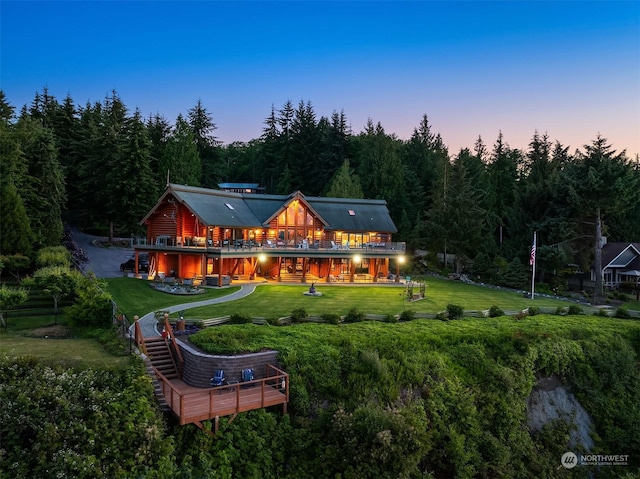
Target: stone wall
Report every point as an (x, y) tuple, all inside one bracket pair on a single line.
[(199, 367)]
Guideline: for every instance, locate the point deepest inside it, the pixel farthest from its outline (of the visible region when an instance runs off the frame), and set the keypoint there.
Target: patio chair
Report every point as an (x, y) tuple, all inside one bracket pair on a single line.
[(218, 378), (247, 375)]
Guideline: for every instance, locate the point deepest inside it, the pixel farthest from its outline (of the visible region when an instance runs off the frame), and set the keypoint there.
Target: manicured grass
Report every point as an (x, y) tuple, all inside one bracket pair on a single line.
[(135, 296), (76, 352), (279, 300)]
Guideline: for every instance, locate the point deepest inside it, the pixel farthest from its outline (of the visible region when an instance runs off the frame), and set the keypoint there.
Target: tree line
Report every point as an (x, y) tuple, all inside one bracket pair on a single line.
[(102, 167)]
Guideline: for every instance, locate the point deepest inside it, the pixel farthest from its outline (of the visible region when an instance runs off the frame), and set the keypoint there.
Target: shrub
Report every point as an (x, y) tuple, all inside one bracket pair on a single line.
[(239, 319), (53, 256), (455, 311), (603, 313), (390, 318), (369, 363), (495, 312), (354, 316), (331, 318), (407, 315), (574, 310), (622, 313), (299, 315), (442, 316), (92, 307), (534, 310)]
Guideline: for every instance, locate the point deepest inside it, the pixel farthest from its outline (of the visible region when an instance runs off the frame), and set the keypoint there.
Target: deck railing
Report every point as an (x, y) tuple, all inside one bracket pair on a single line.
[(240, 245), (182, 403)]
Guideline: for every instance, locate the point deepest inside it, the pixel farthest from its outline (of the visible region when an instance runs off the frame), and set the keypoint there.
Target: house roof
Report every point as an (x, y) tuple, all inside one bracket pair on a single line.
[(621, 255), (250, 210)]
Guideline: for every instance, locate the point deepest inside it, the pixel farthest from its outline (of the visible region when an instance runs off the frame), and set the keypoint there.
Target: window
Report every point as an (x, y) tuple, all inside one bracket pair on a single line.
[(229, 206), (352, 213)]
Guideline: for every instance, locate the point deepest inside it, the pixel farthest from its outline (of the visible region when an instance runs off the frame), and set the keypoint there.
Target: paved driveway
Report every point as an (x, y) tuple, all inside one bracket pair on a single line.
[(104, 262)]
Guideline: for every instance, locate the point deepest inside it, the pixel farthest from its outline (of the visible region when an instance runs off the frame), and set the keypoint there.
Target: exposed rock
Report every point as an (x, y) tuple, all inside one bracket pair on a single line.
[(550, 400)]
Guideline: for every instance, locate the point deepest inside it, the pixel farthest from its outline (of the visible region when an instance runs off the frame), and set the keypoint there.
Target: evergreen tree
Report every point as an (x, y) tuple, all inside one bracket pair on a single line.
[(459, 221), (87, 205), (345, 183), (16, 236), (202, 127), (159, 131), (44, 183), (268, 165), (113, 138), (137, 189), (334, 149), (181, 161), (305, 150), (380, 167), (597, 188), (502, 170)]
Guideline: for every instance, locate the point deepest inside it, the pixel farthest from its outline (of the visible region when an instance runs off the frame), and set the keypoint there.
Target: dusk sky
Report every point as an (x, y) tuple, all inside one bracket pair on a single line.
[(571, 69)]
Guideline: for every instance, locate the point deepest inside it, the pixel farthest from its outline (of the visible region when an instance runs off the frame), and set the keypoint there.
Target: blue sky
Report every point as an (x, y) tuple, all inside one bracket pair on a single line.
[(571, 69)]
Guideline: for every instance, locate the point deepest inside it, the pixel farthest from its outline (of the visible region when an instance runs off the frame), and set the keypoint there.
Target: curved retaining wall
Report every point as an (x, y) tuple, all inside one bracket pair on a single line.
[(199, 367)]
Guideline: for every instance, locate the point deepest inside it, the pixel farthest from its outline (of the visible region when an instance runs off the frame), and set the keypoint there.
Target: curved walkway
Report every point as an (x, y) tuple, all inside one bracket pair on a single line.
[(148, 322)]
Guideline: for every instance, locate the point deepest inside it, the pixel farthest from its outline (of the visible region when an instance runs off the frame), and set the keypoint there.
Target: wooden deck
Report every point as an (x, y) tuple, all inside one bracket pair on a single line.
[(191, 405)]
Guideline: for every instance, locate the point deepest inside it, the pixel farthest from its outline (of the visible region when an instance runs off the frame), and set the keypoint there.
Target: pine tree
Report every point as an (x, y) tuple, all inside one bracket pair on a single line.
[(597, 188), (202, 127), (345, 183), (137, 189), (181, 160), (16, 236), (44, 185)]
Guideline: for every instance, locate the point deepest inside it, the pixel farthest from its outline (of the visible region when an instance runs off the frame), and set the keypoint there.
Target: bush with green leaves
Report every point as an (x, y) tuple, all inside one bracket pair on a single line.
[(298, 315), (53, 256), (574, 310), (80, 424), (92, 306), (354, 316), (390, 318), (495, 312), (237, 318), (454, 311), (407, 315), (331, 318), (533, 310), (622, 313)]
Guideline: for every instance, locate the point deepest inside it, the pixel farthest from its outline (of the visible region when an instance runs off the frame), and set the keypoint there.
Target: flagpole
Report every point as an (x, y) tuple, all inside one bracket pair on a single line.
[(532, 261)]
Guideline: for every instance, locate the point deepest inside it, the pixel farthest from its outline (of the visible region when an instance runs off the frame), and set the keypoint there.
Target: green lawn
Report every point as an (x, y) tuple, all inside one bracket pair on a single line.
[(135, 296), (279, 300), (76, 352)]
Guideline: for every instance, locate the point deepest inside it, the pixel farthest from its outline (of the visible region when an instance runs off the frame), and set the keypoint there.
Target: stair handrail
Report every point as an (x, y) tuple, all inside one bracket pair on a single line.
[(174, 349), (139, 338)]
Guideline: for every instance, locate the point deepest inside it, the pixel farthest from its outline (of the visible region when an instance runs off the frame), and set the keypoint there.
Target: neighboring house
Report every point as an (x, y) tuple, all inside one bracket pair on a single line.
[(218, 235), (620, 264)]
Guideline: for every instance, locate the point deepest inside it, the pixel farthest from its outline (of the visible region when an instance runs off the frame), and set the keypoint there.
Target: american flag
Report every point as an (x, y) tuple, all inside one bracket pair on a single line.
[(532, 259)]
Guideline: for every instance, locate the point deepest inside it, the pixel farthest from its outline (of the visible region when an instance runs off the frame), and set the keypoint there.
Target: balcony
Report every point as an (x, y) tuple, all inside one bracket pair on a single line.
[(202, 244)]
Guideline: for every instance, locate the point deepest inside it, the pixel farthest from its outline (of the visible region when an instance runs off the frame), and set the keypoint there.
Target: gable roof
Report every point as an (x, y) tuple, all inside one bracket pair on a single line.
[(621, 255), (251, 210)]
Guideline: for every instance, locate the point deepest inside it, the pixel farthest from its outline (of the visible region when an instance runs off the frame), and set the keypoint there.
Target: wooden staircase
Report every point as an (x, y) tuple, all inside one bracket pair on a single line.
[(297, 278), (159, 353)]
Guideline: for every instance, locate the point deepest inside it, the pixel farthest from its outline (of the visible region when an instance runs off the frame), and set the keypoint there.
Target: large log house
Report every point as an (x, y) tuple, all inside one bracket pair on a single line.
[(217, 236)]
